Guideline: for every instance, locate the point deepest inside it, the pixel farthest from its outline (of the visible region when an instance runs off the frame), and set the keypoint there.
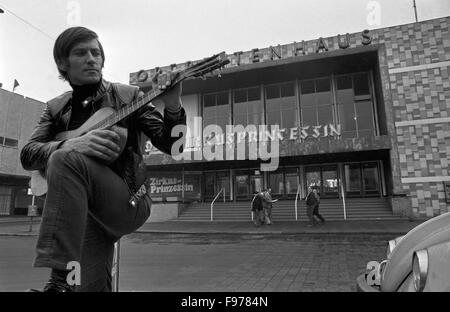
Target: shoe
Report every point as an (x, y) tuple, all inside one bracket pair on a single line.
[(56, 283), (55, 286)]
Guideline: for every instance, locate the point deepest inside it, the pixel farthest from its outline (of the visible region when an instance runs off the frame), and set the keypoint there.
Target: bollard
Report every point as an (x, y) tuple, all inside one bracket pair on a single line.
[(115, 267), (32, 212)]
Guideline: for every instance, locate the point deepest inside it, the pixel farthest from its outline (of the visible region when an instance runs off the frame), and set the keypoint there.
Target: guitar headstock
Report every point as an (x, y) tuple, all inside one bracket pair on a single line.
[(205, 66)]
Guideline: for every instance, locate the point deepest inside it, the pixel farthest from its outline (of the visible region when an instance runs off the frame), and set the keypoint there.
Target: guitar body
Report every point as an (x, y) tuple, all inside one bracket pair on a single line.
[(38, 184)]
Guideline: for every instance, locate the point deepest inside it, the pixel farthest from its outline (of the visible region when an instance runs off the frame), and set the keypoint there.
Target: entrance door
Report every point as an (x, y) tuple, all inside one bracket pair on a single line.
[(371, 184), (5, 200), (362, 179), (242, 186), (352, 173), (291, 182), (214, 182), (330, 185), (313, 177), (256, 183), (223, 182)]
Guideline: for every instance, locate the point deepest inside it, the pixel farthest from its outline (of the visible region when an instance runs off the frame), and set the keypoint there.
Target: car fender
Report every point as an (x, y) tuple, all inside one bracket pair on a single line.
[(431, 232)]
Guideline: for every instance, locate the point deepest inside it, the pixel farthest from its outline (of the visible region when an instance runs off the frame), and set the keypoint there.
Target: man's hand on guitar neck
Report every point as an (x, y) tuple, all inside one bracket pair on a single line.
[(171, 98), (103, 144)]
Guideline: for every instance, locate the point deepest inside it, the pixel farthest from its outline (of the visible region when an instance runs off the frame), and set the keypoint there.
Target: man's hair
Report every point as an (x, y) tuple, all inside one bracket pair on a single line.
[(67, 40)]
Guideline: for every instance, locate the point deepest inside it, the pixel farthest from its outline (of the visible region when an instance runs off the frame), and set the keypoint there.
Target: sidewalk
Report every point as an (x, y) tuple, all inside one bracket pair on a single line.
[(21, 226)]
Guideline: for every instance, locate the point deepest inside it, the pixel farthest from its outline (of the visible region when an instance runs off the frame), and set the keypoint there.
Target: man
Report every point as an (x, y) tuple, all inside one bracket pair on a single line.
[(257, 208), (311, 201), (268, 203), (312, 206), (316, 206), (89, 181)]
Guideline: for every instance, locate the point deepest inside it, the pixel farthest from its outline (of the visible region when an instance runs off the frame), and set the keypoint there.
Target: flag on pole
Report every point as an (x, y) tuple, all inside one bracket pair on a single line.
[(16, 84)]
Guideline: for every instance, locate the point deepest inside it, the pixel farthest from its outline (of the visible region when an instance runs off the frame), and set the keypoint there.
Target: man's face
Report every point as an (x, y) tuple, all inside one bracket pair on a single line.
[(84, 64)]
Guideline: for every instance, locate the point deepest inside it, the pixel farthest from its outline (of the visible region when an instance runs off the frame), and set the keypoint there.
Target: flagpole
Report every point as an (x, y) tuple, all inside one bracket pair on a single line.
[(415, 10)]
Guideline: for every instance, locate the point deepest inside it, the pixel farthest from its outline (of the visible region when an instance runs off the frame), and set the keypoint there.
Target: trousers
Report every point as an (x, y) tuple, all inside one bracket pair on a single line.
[(86, 210), (310, 214)]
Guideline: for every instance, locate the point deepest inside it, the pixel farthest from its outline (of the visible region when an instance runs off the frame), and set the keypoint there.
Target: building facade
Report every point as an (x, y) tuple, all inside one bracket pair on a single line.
[(358, 115), (18, 116)]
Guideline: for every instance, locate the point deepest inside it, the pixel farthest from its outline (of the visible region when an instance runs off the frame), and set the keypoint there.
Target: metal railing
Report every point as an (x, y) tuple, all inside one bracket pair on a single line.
[(296, 198), (115, 267), (215, 198), (343, 201)]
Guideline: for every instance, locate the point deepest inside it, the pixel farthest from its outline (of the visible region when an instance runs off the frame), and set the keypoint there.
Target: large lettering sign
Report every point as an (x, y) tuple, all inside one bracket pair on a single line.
[(253, 134), (295, 49)]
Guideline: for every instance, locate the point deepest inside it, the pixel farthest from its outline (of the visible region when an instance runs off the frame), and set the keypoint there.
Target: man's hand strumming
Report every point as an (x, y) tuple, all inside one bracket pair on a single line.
[(103, 144)]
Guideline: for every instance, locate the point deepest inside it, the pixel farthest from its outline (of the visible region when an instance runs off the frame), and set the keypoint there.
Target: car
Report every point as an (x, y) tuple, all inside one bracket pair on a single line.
[(418, 261)]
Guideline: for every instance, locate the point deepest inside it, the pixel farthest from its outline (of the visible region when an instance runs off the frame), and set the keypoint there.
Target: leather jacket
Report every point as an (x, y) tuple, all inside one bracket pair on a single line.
[(56, 116)]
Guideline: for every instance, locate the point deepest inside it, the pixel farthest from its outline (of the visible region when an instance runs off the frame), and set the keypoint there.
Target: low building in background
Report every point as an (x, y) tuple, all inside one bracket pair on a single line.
[(18, 117)]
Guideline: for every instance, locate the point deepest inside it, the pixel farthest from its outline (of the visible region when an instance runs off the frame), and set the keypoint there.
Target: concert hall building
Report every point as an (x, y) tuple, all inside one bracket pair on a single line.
[(363, 116)]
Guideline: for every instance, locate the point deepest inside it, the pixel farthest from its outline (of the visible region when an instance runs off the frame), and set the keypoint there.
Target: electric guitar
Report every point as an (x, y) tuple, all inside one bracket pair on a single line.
[(108, 117)]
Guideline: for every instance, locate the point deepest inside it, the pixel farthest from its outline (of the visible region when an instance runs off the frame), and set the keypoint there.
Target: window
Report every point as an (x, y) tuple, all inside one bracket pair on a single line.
[(355, 106), (316, 102), (248, 108), (216, 110), (9, 142), (281, 105)]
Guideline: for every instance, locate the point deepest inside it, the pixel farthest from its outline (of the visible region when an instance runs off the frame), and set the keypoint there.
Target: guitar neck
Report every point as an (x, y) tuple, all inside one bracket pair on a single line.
[(128, 110), (200, 68)]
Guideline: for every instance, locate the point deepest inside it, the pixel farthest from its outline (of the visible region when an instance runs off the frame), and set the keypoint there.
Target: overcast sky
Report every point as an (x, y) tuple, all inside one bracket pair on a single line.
[(143, 34)]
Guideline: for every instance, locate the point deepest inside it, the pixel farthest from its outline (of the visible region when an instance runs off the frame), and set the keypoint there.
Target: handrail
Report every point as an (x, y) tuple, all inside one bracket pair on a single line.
[(215, 198), (343, 201), (296, 195)]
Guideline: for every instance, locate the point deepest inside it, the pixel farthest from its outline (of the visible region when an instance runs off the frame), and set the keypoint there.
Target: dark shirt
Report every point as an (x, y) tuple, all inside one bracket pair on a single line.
[(79, 113)]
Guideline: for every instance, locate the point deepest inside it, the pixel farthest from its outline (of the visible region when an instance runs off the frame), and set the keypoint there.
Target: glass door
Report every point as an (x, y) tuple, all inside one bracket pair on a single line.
[(242, 184), (330, 181), (214, 182), (223, 181), (313, 177), (256, 183), (291, 182), (371, 184), (362, 179), (352, 173), (276, 184), (209, 185)]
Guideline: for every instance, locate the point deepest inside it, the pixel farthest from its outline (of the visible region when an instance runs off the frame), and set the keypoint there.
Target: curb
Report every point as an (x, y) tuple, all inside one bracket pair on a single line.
[(397, 233), (271, 232), (18, 234)]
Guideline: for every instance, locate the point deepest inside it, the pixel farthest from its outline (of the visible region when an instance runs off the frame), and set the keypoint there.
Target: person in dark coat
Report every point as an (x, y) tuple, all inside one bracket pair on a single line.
[(90, 181), (316, 207), (311, 203), (257, 208)]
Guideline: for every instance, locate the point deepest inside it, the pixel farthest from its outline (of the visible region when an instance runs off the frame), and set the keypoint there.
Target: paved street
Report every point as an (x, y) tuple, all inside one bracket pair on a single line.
[(218, 262)]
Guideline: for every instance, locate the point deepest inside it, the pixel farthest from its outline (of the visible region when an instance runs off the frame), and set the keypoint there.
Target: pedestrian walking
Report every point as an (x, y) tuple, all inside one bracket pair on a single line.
[(316, 207), (311, 201), (257, 208), (268, 205)]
